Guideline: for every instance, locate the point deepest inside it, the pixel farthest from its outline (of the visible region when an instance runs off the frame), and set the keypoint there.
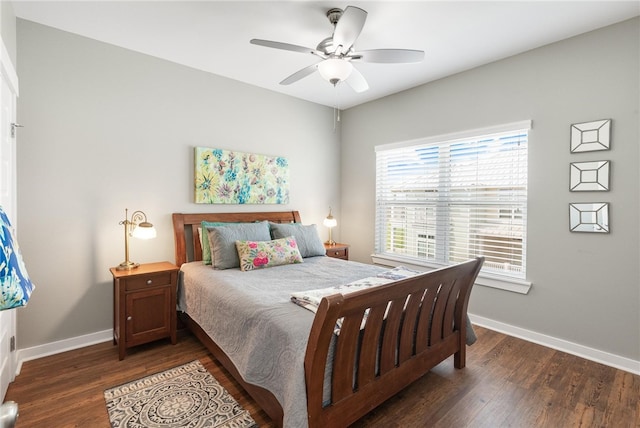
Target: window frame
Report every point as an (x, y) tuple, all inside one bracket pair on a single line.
[(492, 279)]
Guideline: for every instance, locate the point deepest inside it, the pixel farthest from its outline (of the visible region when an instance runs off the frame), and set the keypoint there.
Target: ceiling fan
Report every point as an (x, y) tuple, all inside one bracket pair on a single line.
[(337, 52)]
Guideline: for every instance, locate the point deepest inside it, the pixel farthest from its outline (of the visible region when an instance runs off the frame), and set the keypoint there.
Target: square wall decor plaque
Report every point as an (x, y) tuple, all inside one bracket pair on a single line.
[(591, 136)]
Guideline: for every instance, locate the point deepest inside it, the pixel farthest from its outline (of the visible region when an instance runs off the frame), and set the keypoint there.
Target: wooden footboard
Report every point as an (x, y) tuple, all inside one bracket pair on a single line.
[(412, 325)]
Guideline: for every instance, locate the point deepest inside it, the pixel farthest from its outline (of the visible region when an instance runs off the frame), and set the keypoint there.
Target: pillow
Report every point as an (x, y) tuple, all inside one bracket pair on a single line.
[(204, 243), (309, 243), (222, 240), (264, 254)]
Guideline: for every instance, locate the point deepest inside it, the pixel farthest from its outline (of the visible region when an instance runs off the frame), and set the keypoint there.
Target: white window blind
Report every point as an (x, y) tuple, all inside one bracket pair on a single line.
[(446, 201)]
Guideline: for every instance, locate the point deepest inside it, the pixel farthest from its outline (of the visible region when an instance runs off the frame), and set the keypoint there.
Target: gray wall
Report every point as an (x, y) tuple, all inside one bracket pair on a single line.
[(108, 129), (586, 287)]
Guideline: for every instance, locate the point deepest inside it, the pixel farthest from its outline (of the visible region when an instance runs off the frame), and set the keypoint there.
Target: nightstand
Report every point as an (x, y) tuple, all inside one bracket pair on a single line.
[(144, 304), (337, 251)]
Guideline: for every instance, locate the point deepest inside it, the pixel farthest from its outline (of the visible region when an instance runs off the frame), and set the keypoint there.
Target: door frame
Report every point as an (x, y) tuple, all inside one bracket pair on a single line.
[(8, 75)]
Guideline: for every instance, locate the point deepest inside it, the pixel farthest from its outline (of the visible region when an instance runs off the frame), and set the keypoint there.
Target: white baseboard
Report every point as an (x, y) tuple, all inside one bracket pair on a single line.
[(52, 348), (612, 360)]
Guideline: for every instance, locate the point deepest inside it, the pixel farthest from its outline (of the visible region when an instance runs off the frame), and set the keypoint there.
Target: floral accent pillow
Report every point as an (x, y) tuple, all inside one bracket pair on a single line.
[(264, 254)]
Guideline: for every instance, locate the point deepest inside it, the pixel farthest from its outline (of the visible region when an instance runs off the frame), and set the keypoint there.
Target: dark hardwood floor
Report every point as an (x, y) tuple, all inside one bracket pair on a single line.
[(508, 382)]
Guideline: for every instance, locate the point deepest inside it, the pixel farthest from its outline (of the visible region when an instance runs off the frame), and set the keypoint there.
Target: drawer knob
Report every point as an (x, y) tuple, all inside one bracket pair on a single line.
[(149, 282), (336, 253), (129, 318)]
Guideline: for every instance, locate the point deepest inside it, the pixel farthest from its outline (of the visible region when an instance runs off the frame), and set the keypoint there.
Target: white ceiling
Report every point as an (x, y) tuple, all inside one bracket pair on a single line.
[(214, 35)]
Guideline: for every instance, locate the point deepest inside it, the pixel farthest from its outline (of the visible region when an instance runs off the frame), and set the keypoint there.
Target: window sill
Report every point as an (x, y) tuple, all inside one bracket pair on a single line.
[(484, 279)]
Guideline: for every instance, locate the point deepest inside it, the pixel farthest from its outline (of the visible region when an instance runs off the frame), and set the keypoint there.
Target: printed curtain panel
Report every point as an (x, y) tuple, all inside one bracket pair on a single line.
[(15, 285), (229, 177)]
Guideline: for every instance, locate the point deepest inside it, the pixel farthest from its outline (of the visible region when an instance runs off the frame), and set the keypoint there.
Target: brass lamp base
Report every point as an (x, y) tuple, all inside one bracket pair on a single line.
[(330, 241), (127, 266)]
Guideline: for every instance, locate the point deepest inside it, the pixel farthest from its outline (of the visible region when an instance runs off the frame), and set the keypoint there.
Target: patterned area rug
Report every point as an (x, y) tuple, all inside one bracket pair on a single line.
[(185, 396)]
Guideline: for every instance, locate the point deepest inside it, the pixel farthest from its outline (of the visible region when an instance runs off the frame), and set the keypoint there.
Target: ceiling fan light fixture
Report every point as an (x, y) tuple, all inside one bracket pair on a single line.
[(335, 70), (337, 51)]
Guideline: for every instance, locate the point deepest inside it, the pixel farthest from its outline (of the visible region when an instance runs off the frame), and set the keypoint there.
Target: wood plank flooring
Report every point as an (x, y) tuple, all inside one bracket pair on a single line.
[(508, 382)]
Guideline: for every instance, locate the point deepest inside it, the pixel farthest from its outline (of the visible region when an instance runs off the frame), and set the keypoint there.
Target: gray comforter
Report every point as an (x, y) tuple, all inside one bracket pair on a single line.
[(251, 317)]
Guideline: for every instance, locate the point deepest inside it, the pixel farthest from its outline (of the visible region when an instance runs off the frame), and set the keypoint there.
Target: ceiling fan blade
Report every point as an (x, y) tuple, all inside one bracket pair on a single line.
[(300, 74), (348, 28), (389, 56), (283, 46), (357, 81)]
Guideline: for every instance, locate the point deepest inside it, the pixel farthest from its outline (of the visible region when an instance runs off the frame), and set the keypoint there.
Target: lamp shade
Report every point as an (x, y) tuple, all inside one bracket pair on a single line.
[(335, 70), (15, 285), (330, 222), (144, 230)]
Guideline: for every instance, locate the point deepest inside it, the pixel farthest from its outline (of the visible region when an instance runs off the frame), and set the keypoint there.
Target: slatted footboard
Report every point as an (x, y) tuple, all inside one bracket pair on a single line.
[(410, 327)]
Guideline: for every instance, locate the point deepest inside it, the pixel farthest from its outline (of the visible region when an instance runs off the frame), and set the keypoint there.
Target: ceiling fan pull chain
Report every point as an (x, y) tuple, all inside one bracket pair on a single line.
[(337, 102), (336, 108)]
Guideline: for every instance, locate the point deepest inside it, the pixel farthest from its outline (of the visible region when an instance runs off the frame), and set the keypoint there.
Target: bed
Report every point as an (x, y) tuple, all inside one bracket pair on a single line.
[(332, 367)]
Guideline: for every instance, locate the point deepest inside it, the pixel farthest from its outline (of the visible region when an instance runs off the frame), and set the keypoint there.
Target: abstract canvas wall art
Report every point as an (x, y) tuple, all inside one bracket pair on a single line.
[(231, 177)]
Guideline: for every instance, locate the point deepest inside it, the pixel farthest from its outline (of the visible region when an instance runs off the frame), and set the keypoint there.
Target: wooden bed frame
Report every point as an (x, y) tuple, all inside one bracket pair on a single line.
[(412, 326)]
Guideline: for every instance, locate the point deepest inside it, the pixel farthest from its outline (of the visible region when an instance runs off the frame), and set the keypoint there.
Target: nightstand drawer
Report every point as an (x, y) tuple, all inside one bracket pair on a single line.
[(150, 280), (338, 253), (337, 250)]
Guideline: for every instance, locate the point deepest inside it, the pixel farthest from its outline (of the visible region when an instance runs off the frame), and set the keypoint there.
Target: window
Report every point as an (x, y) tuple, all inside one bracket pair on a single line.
[(444, 200)]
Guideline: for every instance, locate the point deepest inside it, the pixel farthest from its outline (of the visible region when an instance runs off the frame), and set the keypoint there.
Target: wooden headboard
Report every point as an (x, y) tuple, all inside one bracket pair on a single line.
[(185, 228)]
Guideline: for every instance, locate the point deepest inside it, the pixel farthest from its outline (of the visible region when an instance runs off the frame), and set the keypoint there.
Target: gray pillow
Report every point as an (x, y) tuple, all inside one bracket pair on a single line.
[(222, 240), (309, 243)]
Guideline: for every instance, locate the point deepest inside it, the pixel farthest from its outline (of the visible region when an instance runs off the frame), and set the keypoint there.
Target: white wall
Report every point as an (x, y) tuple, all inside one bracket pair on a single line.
[(586, 287), (8, 28), (108, 129)]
